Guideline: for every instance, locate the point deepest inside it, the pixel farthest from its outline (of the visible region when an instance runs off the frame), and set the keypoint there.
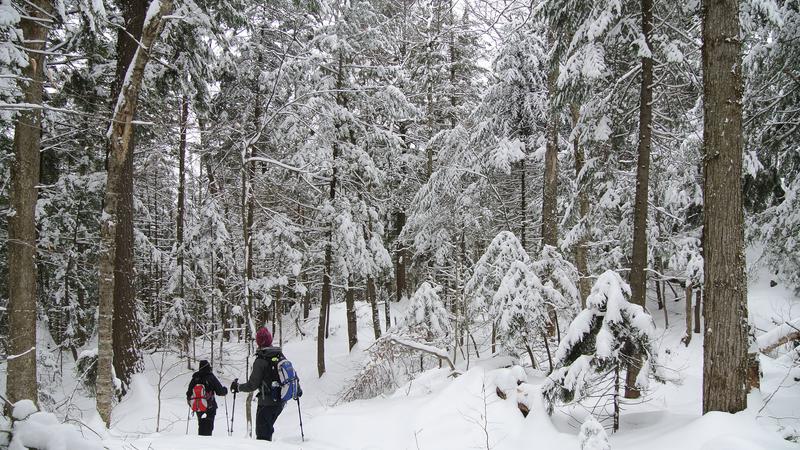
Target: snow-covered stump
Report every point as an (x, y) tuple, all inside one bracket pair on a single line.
[(593, 435), (508, 386)]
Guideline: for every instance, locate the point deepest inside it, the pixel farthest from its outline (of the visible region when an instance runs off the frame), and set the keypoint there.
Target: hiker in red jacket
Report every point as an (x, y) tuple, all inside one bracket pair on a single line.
[(200, 396)]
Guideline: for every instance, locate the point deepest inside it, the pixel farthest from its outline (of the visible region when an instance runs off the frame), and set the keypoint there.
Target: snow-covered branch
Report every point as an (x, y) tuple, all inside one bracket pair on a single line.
[(786, 332)]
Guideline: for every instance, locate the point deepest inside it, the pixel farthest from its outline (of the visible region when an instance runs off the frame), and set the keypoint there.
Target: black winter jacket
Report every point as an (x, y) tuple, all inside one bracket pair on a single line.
[(264, 372), (205, 377)]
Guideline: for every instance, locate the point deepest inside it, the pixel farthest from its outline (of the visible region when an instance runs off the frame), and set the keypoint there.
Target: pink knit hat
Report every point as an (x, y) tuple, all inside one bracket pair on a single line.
[(263, 337)]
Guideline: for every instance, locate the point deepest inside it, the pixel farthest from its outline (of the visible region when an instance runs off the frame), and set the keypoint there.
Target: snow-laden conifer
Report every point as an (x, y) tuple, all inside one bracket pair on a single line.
[(427, 317), (592, 352), (520, 309)]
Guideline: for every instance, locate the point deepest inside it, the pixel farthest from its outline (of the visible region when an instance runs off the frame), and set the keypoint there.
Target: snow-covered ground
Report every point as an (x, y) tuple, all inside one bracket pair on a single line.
[(436, 411)]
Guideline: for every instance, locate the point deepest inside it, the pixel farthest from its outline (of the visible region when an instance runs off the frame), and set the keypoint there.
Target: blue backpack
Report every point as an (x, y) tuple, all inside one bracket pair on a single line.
[(286, 386), (288, 381)]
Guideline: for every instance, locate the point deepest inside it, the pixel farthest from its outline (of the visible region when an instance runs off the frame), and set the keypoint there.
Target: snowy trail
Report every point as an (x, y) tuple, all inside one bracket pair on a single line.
[(436, 411)]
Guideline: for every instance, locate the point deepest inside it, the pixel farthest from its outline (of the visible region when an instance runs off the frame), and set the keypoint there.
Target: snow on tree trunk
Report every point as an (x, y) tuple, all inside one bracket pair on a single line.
[(21, 376), (725, 345), (127, 357), (119, 135)]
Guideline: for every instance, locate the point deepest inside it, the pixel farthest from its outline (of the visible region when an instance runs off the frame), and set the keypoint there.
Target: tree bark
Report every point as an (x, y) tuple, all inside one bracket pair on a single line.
[(372, 298), (687, 338), (127, 357), (350, 305), (387, 305), (697, 302), (21, 375), (400, 257), (327, 294), (725, 281), (523, 206), (638, 277), (550, 181), (120, 134), (584, 283), (181, 212), (247, 224)]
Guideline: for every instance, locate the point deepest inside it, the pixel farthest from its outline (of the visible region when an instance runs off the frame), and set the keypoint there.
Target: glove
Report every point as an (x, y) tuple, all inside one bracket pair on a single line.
[(235, 386), (224, 390), (299, 392)]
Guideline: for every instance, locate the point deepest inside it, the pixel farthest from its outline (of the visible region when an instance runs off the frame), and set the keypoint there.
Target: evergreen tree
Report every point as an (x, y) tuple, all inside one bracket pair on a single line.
[(595, 347)]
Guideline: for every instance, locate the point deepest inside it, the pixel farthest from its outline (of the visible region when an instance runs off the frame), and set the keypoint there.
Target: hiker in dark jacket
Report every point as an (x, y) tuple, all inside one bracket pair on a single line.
[(204, 376), (262, 376)]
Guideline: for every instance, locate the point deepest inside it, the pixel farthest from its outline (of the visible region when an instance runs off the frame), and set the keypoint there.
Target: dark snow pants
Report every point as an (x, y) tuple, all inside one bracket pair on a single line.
[(205, 422), (266, 415)]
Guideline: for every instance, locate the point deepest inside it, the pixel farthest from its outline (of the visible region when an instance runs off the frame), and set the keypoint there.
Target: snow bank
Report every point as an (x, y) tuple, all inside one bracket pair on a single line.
[(713, 431), (43, 431)]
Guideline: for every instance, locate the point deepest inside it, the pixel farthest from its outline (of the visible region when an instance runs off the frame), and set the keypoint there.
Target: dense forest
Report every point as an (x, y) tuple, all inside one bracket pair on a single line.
[(532, 179)]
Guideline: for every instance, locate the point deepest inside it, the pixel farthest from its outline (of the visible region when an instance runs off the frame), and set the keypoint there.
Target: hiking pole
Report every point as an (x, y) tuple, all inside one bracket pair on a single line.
[(188, 416), (233, 409), (302, 435), (227, 424)]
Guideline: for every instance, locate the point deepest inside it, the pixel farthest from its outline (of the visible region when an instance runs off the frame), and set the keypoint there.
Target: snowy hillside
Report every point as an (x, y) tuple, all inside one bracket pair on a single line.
[(437, 411)]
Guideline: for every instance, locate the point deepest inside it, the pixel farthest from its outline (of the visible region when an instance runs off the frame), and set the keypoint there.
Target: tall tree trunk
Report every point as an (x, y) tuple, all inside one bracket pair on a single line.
[(697, 302), (120, 134), (248, 206), (21, 375), (350, 305), (550, 180), (687, 338), (638, 277), (325, 299), (327, 289), (277, 315), (523, 205), (372, 297), (387, 305), (400, 257), (306, 298), (184, 118), (584, 283), (127, 357), (725, 307)]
